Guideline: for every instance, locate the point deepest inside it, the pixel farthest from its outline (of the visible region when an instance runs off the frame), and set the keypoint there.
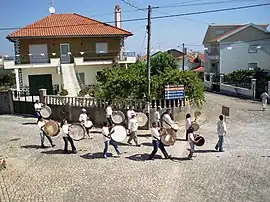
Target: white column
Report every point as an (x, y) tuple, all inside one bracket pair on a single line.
[(16, 71), (253, 87)]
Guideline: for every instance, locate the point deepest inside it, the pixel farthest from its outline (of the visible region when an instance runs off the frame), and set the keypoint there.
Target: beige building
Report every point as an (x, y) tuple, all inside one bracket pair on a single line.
[(66, 51)]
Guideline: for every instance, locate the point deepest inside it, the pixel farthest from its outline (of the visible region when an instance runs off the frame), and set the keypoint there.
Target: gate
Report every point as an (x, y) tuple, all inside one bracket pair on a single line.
[(23, 102), (216, 83)]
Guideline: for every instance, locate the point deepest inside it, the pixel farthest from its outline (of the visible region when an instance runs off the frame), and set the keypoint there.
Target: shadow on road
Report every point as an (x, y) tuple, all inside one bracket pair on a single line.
[(255, 110), (180, 139), (32, 147), (148, 144), (126, 144), (98, 155), (57, 151), (144, 135), (14, 139), (206, 151), (30, 123), (180, 159), (95, 131), (142, 157)]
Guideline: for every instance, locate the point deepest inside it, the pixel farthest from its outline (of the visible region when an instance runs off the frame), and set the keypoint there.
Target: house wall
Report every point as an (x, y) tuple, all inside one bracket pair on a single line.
[(77, 45), (238, 57)]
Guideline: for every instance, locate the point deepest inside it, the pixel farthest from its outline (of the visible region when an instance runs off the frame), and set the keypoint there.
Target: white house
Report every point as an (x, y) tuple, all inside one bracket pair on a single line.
[(233, 47)]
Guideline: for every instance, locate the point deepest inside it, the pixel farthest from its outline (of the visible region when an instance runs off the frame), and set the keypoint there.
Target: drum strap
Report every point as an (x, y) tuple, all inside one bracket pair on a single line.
[(168, 123)]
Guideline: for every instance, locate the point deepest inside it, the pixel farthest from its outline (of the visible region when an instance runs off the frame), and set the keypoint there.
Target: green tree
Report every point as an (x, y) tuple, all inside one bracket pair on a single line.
[(131, 82)]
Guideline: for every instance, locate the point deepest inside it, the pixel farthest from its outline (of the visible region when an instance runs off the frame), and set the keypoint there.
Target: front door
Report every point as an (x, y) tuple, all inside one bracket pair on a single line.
[(37, 82), (64, 50)]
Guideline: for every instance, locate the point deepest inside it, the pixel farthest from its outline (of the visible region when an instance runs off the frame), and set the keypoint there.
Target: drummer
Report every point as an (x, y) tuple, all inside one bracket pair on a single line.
[(191, 141), (133, 128), (66, 137), (130, 112), (157, 116), (88, 125), (41, 124), (38, 107), (109, 113), (157, 142), (107, 132), (167, 121), (188, 124), (83, 116)]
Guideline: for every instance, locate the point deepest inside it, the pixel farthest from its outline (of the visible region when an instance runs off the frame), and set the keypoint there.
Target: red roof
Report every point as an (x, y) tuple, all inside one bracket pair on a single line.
[(199, 69), (68, 25), (226, 33)]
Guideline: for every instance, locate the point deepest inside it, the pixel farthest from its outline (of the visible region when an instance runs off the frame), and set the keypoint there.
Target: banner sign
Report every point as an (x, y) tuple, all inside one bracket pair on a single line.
[(174, 92)]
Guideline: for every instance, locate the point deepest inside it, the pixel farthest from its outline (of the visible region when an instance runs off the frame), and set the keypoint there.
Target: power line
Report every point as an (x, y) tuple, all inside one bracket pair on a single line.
[(132, 5), (156, 17)]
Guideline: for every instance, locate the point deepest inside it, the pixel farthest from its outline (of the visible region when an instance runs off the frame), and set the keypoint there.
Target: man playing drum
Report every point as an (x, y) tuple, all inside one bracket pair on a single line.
[(130, 112), (191, 141), (157, 116), (67, 138), (133, 127), (41, 124), (38, 107), (85, 121), (167, 121), (157, 142), (107, 132), (109, 113)]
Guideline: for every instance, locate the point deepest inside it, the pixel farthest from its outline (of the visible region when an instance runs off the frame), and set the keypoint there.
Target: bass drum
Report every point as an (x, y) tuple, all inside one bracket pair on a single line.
[(46, 112), (200, 140), (141, 119), (77, 131), (51, 128), (168, 136), (118, 117), (120, 133)]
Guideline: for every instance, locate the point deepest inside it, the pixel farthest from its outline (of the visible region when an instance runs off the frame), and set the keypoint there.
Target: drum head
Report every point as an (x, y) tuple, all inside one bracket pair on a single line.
[(201, 140), (46, 112), (119, 134), (175, 127), (77, 132), (141, 119), (51, 128), (118, 117), (195, 126), (168, 137)]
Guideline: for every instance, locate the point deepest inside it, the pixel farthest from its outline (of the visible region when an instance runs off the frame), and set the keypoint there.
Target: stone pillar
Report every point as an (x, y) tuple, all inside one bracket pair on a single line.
[(221, 78), (268, 88), (211, 81), (16, 71), (42, 94), (10, 102), (253, 88)]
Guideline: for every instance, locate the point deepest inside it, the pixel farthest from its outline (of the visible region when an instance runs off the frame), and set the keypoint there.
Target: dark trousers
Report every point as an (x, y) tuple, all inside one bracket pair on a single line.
[(106, 144), (88, 130), (109, 119), (158, 144), (69, 139), (42, 137), (38, 116), (186, 135)]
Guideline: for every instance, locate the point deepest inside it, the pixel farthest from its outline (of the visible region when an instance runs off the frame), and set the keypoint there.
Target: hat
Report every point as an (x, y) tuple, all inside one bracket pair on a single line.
[(83, 110)]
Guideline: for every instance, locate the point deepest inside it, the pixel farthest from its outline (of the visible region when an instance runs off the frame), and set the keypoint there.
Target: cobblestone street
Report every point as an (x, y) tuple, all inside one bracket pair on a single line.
[(241, 173)]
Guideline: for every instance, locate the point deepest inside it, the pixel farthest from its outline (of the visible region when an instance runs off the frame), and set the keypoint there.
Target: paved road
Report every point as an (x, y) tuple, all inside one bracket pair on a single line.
[(241, 173)]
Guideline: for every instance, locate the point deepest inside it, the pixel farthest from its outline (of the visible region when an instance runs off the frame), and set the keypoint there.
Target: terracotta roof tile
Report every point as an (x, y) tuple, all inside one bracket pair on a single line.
[(68, 25), (226, 33)]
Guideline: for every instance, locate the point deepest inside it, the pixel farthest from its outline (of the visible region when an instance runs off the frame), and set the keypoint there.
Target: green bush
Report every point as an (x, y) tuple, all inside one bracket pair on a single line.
[(83, 92), (64, 92)]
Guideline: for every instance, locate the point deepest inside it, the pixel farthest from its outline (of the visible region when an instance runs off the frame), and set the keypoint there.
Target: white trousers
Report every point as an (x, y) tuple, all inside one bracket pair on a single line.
[(264, 103)]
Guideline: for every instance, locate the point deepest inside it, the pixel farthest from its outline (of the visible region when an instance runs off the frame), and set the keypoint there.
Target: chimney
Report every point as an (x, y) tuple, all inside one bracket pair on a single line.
[(117, 16)]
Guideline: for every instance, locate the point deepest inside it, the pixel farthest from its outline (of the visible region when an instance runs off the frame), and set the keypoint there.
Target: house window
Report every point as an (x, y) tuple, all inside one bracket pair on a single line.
[(253, 49), (101, 48), (219, 32), (252, 66), (99, 76)]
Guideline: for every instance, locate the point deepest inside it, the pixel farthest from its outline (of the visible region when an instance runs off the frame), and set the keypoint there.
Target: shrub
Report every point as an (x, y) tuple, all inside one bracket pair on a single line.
[(64, 92), (83, 92)]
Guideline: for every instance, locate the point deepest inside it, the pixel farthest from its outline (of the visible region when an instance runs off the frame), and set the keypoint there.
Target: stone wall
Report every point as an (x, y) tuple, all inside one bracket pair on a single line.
[(6, 106)]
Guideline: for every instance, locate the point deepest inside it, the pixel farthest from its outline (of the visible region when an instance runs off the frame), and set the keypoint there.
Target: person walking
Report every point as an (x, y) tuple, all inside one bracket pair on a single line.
[(107, 132), (157, 117), (264, 97), (221, 131), (192, 142), (188, 124), (65, 131), (109, 113), (41, 124), (157, 142), (133, 127)]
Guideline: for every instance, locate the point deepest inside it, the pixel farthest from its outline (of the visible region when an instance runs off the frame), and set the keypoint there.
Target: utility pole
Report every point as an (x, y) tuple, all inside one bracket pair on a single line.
[(148, 63), (183, 62)]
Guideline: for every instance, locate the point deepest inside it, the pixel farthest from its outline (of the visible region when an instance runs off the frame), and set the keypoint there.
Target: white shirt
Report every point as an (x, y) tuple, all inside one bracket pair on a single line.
[(133, 125), (41, 124), (65, 130), (188, 123), (87, 123), (105, 131), (37, 107), (221, 128), (83, 117), (191, 137), (130, 113), (167, 119), (264, 96), (155, 134), (109, 111), (157, 116)]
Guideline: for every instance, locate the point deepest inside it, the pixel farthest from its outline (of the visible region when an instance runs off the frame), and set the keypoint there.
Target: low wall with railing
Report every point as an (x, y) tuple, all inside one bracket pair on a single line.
[(70, 107)]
